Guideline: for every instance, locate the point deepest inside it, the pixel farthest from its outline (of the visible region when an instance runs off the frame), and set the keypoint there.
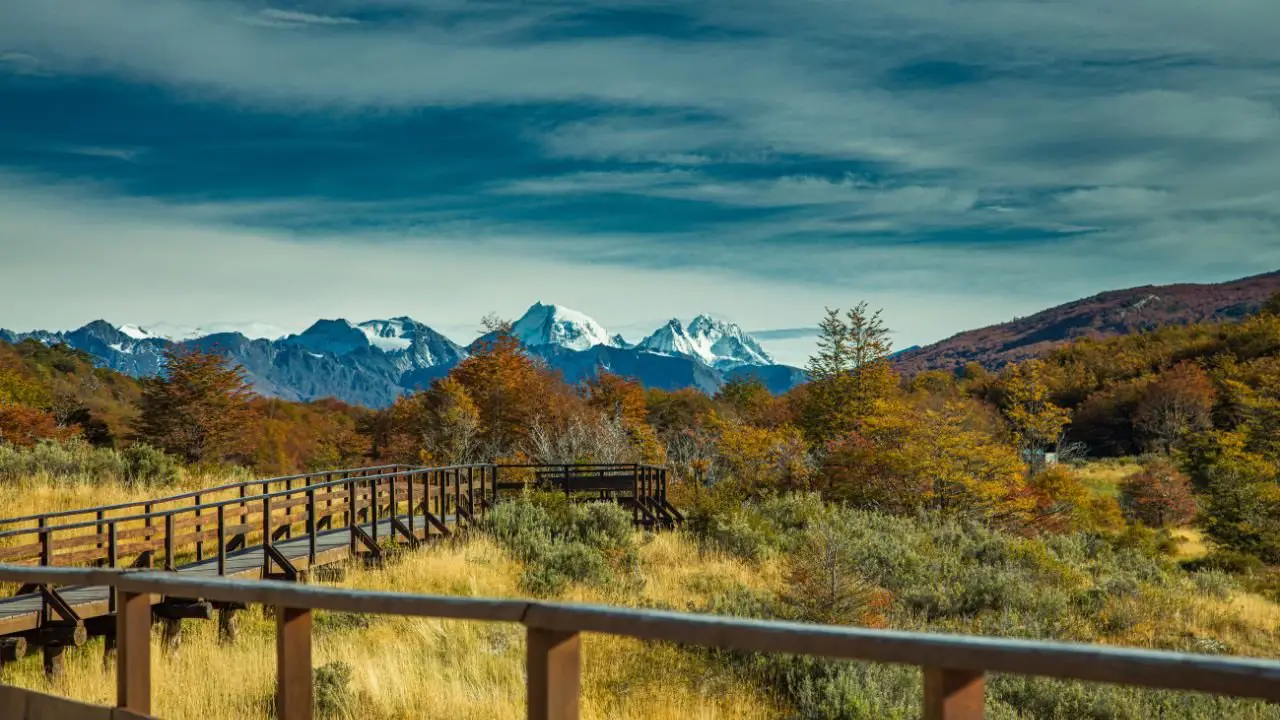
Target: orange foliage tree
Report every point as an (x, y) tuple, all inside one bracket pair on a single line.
[(1158, 495), (1178, 402), (199, 410)]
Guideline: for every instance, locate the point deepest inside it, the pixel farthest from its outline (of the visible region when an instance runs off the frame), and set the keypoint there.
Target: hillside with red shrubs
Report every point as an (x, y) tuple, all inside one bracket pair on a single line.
[(1110, 314)]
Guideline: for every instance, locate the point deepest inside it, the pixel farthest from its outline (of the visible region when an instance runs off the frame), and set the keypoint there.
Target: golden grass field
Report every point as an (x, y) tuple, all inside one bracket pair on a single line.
[(407, 667), (422, 668)]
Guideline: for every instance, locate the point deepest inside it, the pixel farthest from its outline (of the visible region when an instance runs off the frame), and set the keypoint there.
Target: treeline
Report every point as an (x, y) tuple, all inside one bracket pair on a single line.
[(1200, 404)]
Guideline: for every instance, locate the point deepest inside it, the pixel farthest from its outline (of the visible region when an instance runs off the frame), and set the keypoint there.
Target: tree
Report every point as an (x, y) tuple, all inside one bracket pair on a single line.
[(1242, 487), (823, 583), (199, 410), (1180, 401), (848, 375), (908, 459), (24, 426), (1036, 421), (439, 425), (1158, 495)]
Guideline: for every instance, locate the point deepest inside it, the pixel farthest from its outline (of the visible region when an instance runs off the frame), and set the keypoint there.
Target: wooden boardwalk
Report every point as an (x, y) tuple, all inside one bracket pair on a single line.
[(277, 528)]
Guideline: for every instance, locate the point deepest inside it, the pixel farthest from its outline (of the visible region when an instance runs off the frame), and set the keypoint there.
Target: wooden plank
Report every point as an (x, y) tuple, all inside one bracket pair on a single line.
[(554, 674), (953, 694), (293, 663), (133, 651)]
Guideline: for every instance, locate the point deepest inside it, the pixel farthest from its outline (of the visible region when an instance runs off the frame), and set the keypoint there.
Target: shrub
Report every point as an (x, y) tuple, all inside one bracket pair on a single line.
[(332, 688), (146, 465), (1158, 496), (561, 542)]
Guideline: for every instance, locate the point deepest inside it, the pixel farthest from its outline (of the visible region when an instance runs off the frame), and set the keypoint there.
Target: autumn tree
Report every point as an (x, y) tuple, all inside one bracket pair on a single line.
[(23, 425), (849, 373), (199, 409), (910, 459), (508, 387), (1178, 402), (440, 425), (758, 459), (1035, 420), (1158, 495)]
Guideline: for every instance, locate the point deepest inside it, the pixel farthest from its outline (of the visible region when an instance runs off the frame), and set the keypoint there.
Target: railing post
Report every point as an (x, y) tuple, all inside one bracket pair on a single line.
[(952, 694), (288, 513), (351, 514), (553, 663), (199, 532), (266, 534), (495, 483), (471, 491), (169, 563), (46, 545), (293, 664), (133, 652), (222, 540), (457, 494), (373, 504), (311, 526), (100, 528), (412, 510)]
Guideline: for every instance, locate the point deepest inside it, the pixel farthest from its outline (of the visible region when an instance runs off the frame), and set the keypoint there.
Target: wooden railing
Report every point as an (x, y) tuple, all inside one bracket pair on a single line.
[(193, 497), (185, 525), (953, 666)]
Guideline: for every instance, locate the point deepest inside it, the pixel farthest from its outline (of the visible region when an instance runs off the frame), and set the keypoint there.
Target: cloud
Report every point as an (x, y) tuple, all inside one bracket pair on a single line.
[(22, 64), (955, 160), (273, 17)]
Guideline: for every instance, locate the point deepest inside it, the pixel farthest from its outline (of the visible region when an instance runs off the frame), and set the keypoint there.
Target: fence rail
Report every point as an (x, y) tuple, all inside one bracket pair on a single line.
[(953, 666)]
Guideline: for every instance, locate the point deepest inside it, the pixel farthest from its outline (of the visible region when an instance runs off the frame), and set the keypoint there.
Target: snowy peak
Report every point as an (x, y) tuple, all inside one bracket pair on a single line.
[(712, 342), (339, 337), (408, 343), (390, 335), (560, 326)]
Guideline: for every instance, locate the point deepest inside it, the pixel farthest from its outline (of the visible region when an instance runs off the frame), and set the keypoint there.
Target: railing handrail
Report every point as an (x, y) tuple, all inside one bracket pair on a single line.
[(1232, 676), (285, 478), (213, 505), (189, 494), (412, 471)]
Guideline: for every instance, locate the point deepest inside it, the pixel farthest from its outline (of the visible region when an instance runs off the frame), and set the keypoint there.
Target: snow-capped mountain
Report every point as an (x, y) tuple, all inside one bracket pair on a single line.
[(406, 343), (560, 326), (712, 342), (373, 362), (180, 333)]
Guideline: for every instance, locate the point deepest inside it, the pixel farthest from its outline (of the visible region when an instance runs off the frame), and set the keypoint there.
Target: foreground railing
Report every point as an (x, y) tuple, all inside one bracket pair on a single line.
[(953, 666)]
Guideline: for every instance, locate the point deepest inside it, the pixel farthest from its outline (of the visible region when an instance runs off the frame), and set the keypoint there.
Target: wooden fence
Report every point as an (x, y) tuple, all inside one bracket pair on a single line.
[(953, 666)]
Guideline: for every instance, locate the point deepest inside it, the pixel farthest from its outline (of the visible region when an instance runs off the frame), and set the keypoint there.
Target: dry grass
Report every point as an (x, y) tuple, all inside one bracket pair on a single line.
[(421, 667), (1103, 477), (1192, 544)]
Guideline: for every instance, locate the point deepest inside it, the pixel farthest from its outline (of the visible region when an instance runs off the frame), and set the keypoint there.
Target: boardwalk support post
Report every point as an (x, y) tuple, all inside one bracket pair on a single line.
[(554, 665), (293, 664), (952, 694), (133, 665)]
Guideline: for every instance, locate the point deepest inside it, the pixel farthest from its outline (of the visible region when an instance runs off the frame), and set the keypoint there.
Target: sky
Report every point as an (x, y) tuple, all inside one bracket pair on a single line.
[(954, 162)]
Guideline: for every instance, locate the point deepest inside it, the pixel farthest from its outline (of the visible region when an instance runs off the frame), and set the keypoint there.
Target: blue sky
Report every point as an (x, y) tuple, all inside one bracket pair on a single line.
[(957, 163)]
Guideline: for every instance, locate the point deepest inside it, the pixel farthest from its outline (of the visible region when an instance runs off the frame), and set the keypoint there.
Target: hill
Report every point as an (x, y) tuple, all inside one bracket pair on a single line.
[(1109, 314)]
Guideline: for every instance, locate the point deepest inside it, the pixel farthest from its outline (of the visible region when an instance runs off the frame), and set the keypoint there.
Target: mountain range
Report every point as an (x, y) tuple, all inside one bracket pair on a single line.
[(1118, 312), (373, 362)]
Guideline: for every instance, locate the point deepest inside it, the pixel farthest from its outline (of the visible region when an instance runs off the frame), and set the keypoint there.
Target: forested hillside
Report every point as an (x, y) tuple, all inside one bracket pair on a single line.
[(959, 502)]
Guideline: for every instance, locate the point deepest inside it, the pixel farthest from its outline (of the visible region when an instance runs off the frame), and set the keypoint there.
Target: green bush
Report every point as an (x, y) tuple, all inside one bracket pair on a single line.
[(561, 543), (331, 685), (146, 465), (77, 459)]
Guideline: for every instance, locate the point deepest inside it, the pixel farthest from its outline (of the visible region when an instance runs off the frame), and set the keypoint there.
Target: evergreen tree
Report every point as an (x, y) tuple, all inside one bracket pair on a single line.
[(848, 375)]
